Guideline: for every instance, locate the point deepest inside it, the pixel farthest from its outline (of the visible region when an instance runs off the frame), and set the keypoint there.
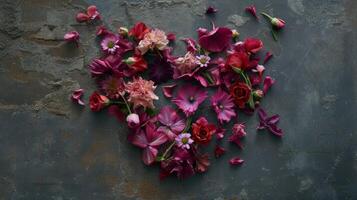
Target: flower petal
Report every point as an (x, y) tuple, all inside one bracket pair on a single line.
[(149, 155), (236, 161), (168, 90)]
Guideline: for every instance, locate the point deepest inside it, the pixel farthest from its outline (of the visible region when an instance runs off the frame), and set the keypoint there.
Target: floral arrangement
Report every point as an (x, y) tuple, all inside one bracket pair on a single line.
[(135, 62)]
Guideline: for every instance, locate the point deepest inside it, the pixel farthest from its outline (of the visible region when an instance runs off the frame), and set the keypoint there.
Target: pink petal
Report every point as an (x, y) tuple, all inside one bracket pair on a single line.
[(140, 140), (268, 56), (216, 40), (149, 155), (268, 82), (275, 130), (202, 80), (168, 90), (219, 151), (252, 10), (190, 45), (236, 161), (159, 139), (168, 132), (92, 10)]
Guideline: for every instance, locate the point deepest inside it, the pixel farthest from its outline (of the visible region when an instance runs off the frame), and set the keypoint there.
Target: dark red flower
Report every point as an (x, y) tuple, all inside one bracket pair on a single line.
[(241, 93), (216, 40), (268, 82), (219, 151), (252, 10), (91, 14), (97, 102), (202, 131), (253, 45), (160, 70), (181, 164), (267, 57), (269, 123), (236, 161), (139, 30), (238, 59), (211, 10), (136, 63)]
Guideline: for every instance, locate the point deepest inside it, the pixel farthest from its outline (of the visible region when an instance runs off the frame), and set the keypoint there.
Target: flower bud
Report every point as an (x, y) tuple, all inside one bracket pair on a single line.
[(123, 31), (258, 94), (133, 120), (278, 23), (235, 34)]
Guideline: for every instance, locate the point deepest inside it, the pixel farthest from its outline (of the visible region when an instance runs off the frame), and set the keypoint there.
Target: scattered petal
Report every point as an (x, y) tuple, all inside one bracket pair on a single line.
[(267, 57), (236, 161), (252, 10), (168, 90), (219, 151), (211, 10)]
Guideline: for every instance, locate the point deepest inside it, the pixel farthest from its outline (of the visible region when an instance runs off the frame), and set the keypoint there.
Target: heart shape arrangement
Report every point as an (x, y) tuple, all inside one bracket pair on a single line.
[(174, 135)]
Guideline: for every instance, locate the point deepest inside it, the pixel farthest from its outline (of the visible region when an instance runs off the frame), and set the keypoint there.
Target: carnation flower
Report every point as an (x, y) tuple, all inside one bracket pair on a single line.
[(184, 140), (155, 39), (77, 96), (110, 44), (239, 60), (184, 66), (141, 93), (189, 98), (172, 123), (202, 60), (202, 131), (253, 45), (223, 105)]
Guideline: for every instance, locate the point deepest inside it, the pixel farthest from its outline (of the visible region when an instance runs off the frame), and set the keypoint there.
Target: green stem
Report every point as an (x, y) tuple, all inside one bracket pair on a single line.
[(209, 78), (167, 151), (266, 15), (246, 79), (116, 102), (126, 103), (188, 123)]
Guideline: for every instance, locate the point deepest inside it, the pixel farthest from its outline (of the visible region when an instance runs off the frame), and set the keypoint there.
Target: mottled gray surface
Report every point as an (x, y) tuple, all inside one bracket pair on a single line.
[(52, 149)]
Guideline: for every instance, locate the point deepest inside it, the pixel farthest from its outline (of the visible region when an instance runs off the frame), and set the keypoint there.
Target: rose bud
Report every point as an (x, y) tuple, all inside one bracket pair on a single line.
[(133, 120), (123, 31), (275, 22), (97, 102)]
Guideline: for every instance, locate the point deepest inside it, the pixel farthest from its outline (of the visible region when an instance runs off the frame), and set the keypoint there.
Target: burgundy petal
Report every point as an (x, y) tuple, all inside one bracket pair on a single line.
[(140, 140), (219, 151), (211, 10), (236, 161), (267, 57), (190, 44), (149, 155), (268, 82), (171, 37), (275, 130), (273, 119), (216, 40), (252, 10)]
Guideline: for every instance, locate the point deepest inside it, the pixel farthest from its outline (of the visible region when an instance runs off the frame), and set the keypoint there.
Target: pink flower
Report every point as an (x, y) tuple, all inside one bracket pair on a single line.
[(268, 82), (219, 151), (223, 105), (133, 120), (171, 121), (141, 93), (252, 10), (189, 98), (110, 44), (139, 31), (211, 10), (155, 39), (190, 45), (72, 36), (202, 60), (77, 96), (238, 134), (259, 69), (216, 40), (269, 123), (113, 86), (236, 161), (184, 140), (185, 66), (91, 14), (168, 90), (149, 140)]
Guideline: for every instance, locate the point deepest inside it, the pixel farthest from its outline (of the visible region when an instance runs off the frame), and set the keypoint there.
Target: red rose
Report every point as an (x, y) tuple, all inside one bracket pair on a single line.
[(253, 45), (240, 93), (239, 60), (139, 30), (97, 102), (202, 131)]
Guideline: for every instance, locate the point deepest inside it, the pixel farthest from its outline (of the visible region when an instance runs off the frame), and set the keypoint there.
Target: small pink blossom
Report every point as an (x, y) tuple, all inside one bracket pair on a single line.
[(184, 140), (223, 105), (155, 39), (202, 60), (238, 134), (110, 44), (141, 93), (77, 96)]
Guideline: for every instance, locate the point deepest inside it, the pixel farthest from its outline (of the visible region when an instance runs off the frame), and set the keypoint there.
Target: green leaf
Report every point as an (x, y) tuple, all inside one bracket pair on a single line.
[(251, 102), (237, 70)]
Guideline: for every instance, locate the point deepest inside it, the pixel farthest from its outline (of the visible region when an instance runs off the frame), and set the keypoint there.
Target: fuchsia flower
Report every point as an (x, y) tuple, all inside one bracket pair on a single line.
[(219, 151), (172, 123), (223, 105), (216, 40), (72, 36), (110, 44), (77, 96), (211, 10), (168, 90), (149, 140), (155, 39), (238, 134), (189, 98), (141, 93), (91, 14), (184, 140), (133, 120), (202, 60), (269, 123), (252, 10), (236, 161), (268, 82)]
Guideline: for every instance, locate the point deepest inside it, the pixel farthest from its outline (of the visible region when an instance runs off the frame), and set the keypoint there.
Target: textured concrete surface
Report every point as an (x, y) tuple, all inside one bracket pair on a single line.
[(52, 149)]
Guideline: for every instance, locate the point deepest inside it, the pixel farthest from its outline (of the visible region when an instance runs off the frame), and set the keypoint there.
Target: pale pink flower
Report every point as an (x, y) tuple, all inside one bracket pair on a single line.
[(184, 140), (155, 39), (185, 66), (141, 93)]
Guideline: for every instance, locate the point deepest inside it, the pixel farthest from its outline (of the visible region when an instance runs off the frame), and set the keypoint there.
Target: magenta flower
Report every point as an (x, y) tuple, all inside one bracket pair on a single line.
[(236, 161), (211, 10), (149, 140), (252, 10), (184, 140), (171, 121), (91, 14), (269, 123), (110, 44), (268, 82), (202, 60), (189, 98), (223, 105), (168, 90), (216, 40), (238, 134), (72, 36), (77, 96)]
